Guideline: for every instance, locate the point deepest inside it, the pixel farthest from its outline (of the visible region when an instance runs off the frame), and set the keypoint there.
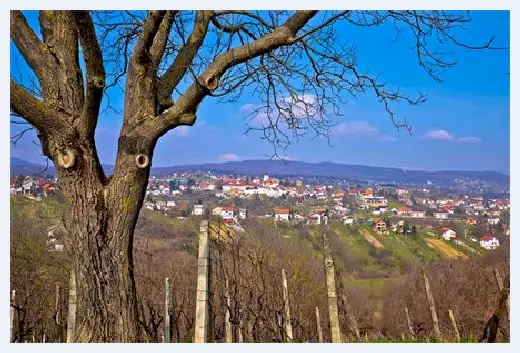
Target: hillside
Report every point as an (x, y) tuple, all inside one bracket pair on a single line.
[(379, 274), (303, 169)]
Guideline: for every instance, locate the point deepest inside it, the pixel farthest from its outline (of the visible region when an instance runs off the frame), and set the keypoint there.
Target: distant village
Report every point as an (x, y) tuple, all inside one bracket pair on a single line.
[(384, 207)]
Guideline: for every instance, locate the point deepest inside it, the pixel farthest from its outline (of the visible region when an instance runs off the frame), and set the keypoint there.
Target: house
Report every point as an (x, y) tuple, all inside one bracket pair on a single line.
[(317, 217), (448, 209), (403, 211), (227, 213), (299, 217), (348, 221), (198, 210), (354, 192), (375, 201), (458, 241), (440, 215), (149, 206), (338, 196), (281, 214), (299, 202), (401, 192), (242, 213), (314, 218), (48, 190), (417, 213), (493, 221), (217, 211), (379, 225), (170, 203), (489, 242), (471, 220), (447, 233)]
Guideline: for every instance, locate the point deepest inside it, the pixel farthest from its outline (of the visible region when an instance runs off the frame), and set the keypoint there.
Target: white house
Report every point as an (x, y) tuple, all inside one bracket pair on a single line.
[(417, 214), (493, 221), (242, 213), (170, 203), (281, 214), (447, 233), (348, 221), (198, 210), (227, 212), (489, 242), (440, 215), (149, 205)]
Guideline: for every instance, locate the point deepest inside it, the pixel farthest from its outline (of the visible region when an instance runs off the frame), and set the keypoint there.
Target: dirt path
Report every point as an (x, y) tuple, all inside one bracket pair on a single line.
[(445, 248), (371, 239)]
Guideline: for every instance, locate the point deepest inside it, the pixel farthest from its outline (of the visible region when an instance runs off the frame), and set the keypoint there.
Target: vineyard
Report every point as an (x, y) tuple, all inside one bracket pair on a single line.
[(267, 283)]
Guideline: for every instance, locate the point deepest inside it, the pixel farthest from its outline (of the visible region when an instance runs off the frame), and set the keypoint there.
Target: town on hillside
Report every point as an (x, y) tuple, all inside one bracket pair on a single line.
[(454, 215)]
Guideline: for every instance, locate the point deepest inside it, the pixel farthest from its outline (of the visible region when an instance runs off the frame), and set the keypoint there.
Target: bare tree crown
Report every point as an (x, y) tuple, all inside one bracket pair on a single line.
[(297, 63)]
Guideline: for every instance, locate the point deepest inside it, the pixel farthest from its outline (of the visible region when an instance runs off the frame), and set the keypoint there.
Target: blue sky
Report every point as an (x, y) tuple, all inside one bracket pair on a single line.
[(463, 125)]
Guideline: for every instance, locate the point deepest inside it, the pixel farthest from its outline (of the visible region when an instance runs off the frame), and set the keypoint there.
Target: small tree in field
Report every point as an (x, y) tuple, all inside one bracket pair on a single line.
[(167, 63)]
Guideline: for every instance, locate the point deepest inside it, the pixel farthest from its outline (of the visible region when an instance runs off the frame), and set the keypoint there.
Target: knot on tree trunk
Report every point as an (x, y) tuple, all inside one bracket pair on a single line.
[(142, 161), (66, 158), (211, 82)]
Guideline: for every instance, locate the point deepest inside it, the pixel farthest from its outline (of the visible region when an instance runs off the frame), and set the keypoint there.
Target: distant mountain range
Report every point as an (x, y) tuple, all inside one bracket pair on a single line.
[(298, 168)]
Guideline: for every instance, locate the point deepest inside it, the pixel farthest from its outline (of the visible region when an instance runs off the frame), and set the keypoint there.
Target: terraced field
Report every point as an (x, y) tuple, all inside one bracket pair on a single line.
[(448, 251), (371, 239)]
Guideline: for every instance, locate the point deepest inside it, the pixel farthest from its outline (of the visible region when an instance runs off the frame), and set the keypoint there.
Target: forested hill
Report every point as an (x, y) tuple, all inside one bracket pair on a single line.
[(299, 168)]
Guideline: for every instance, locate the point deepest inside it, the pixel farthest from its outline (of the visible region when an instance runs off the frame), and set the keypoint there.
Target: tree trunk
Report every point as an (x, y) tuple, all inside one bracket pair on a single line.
[(100, 224)]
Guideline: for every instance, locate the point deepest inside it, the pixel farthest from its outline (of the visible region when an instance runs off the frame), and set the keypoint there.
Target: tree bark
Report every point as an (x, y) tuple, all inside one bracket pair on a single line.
[(100, 227)]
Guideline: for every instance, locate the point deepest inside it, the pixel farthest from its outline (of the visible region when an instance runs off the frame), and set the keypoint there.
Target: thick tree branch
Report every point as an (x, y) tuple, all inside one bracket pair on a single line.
[(151, 25), (184, 58), (183, 113), (31, 48), (95, 76), (161, 38), (29, 107)]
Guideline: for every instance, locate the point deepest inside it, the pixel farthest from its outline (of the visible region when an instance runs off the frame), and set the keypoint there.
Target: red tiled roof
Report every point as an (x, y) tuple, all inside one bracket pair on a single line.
[(487, 237), (228, 208), (281, 211)]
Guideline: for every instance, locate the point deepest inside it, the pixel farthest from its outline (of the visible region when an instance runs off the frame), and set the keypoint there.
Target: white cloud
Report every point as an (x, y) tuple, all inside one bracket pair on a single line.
[(443, 135), (362, 129), (388, 138), (181, 131), (228, 157), (439, 134), (469, 139), (355, 128), (303, 106), (247, 108)]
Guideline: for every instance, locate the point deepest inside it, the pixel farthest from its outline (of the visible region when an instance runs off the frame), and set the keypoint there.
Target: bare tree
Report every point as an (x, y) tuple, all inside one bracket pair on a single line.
[(170, 62)]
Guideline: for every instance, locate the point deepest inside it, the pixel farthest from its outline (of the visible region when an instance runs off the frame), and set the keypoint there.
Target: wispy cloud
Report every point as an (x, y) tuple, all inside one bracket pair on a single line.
[(469, 139), (361, 129), (388, 138), (229, 157), (355, 128), (439, 134), (291, 107), (443, 135), (181, 131)]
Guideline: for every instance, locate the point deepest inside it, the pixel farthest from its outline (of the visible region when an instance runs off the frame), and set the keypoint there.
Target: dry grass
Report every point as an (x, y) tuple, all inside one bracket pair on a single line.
[(371, 239), (448, 251)]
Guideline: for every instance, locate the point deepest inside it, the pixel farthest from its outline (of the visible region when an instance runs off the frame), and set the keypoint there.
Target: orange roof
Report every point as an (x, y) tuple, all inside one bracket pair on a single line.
[(228, 208), (281, 211), (487, 237)]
